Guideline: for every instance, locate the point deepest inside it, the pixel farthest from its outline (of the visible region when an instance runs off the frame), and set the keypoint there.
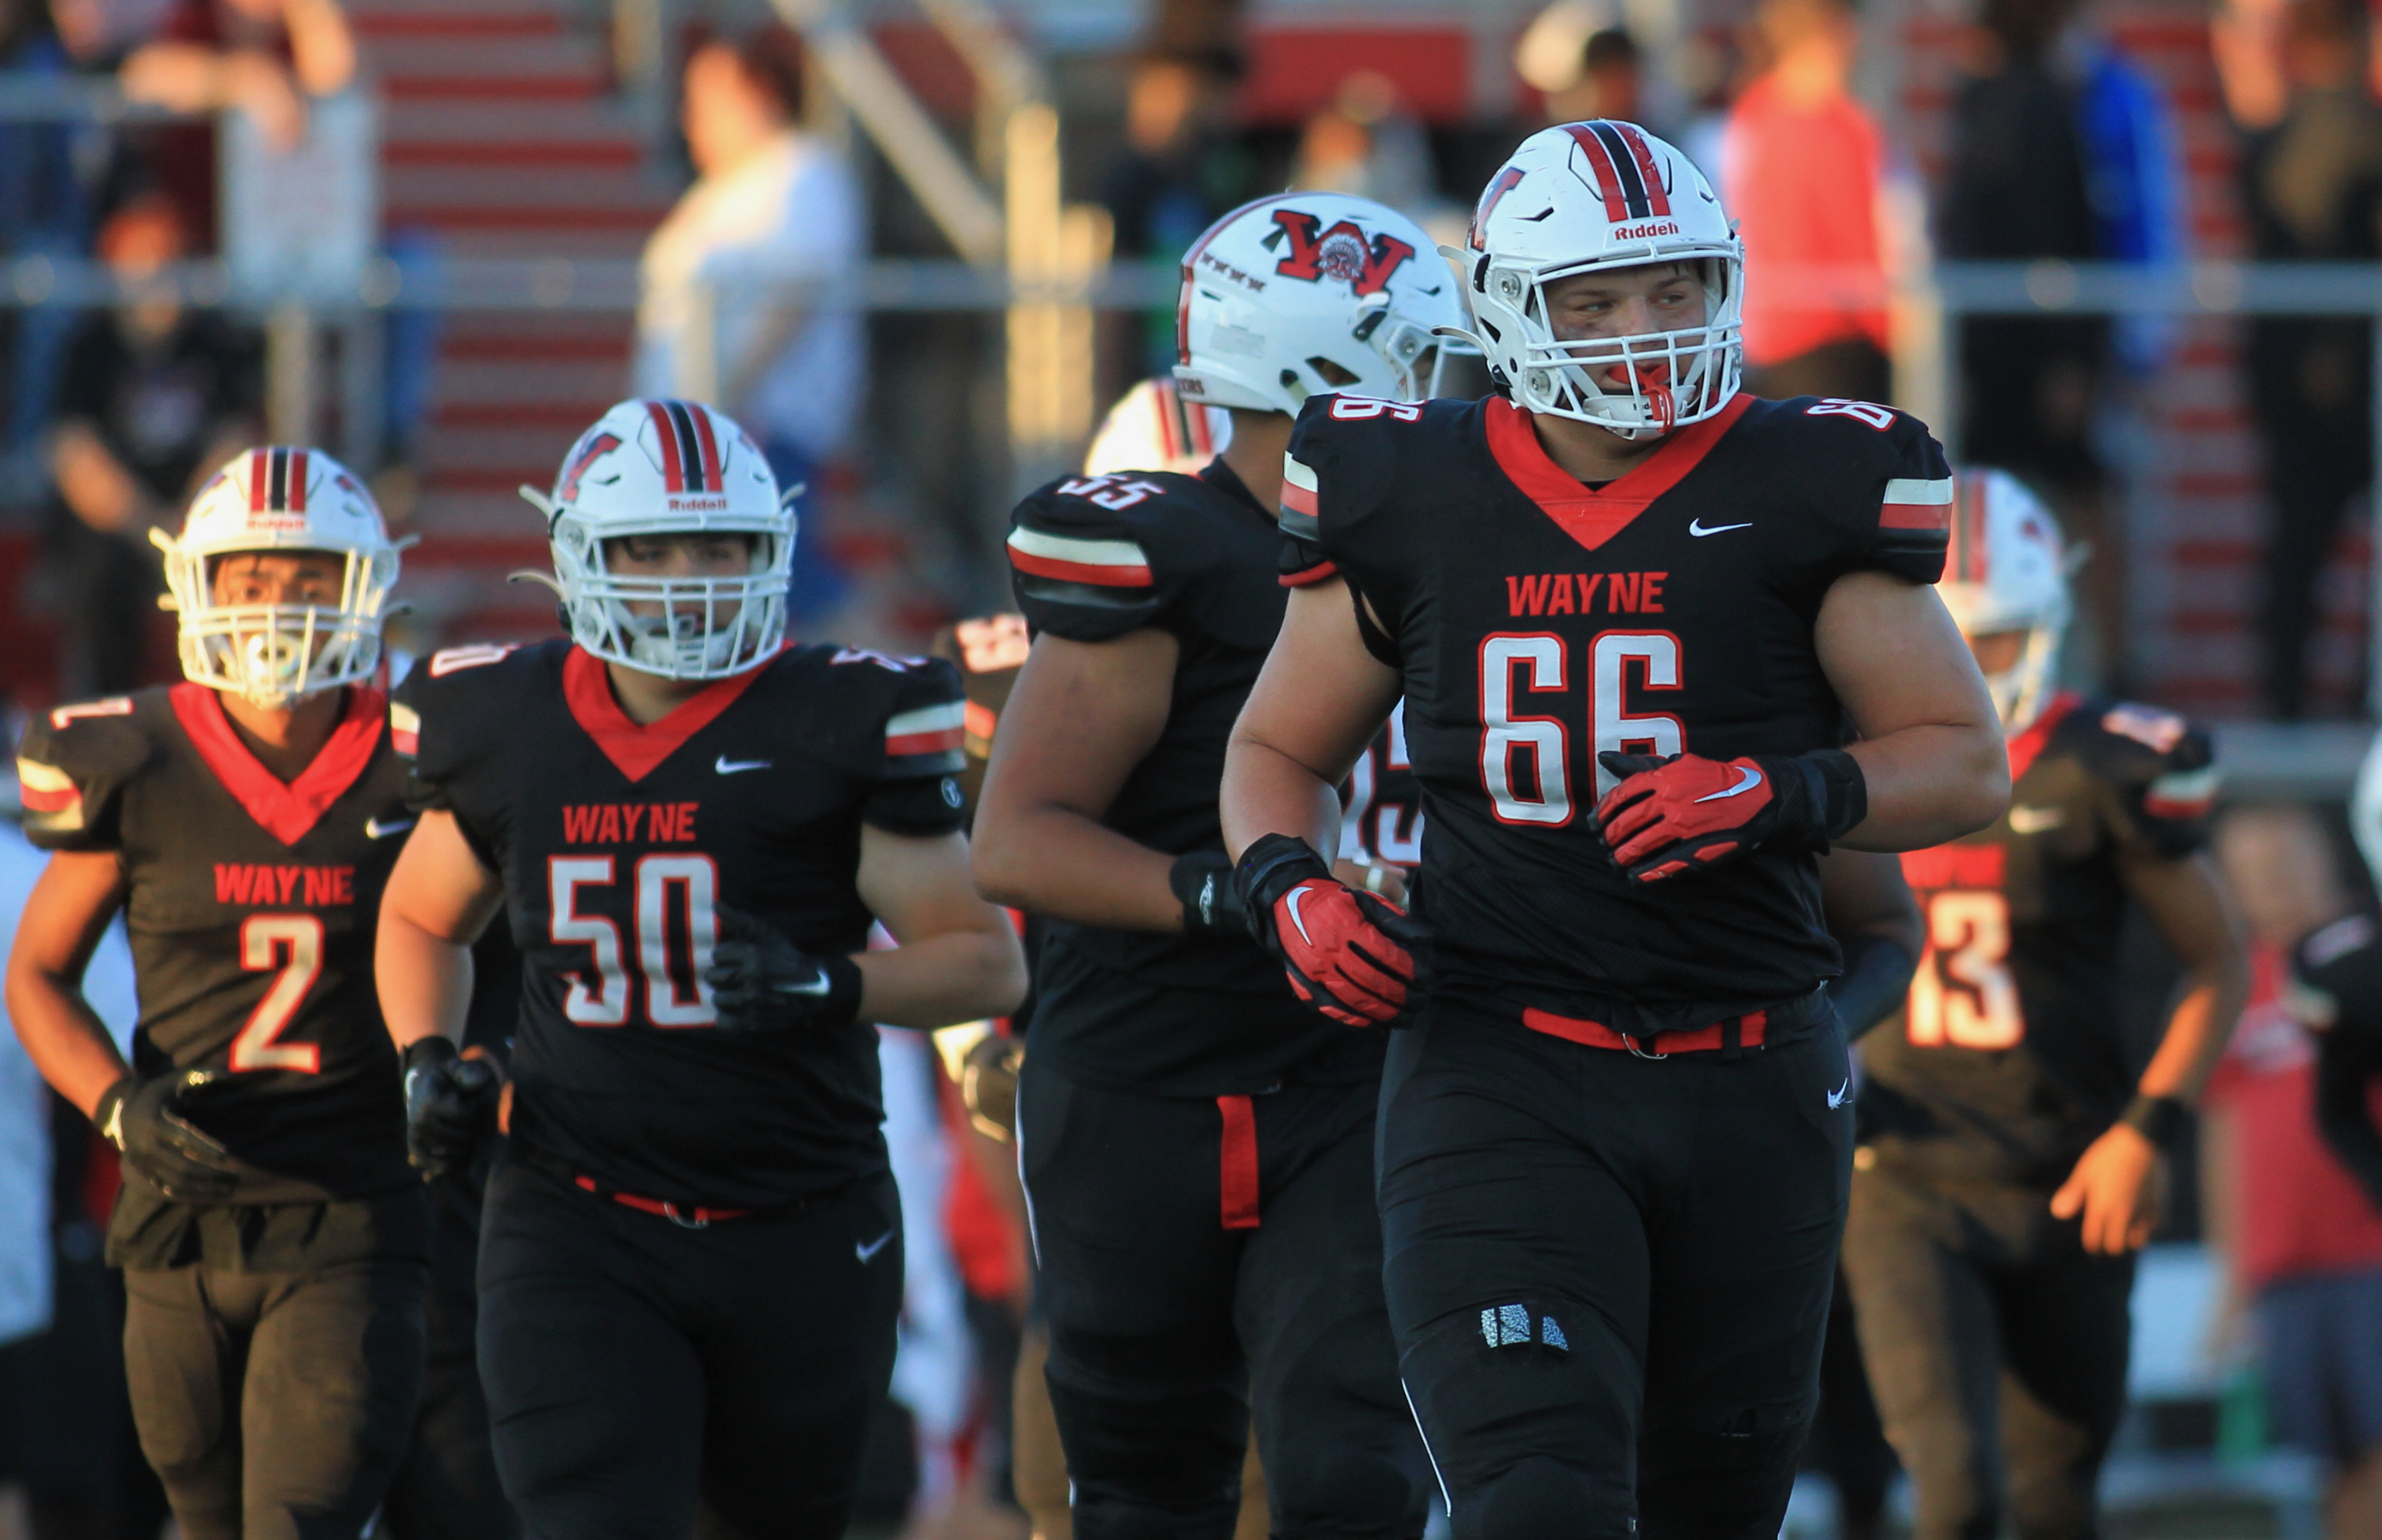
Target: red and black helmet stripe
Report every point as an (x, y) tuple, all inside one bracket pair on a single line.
[(690, 450), (277, 481), (1626, 176)]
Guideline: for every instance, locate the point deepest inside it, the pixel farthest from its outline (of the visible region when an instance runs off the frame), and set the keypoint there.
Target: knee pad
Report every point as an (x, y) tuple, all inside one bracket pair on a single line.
[(1542, 1498), (1717, 1486)]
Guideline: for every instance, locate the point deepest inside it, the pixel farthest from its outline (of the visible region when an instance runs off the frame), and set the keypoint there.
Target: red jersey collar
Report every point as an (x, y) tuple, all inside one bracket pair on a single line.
[(283, 811), (635, 750), (2030, 743), (1588, 515)]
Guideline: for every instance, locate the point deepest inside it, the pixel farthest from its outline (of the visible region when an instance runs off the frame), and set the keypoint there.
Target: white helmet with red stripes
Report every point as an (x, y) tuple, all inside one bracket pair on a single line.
[(1305, 293), (670, 467), (281, 498), (1153, 428), (2007, 570), (1591, 197)]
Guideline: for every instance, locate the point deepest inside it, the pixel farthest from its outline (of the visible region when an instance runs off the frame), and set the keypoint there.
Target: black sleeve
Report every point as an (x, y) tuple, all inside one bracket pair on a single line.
[(72, 767), (2346, 1066), (2336, 989), (1089, 559), (1335, 472), (1890, 489), (2165, 778), (919, 754), (444, 717)]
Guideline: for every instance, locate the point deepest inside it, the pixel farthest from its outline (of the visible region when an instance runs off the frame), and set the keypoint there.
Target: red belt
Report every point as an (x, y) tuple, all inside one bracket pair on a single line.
[(1237, 1174), (1747, 1031), (693, 1217)]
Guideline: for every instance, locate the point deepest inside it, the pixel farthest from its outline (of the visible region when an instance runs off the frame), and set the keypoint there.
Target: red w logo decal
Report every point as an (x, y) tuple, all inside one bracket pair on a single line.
[(1342, 252), (589, 453)]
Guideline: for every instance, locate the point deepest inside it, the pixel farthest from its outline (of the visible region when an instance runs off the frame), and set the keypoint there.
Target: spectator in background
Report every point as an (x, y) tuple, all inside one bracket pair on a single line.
[(154, 396), (2295, 79), (264, 57), (1179, 170), (1800, 166), (1361, 142), (2300, 1242), (44, 211), (771, 207)]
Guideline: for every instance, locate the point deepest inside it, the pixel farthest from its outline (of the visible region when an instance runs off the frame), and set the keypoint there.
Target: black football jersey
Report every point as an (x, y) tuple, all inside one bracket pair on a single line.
[(615, 842), (2007, 1059), (1381, 815), (1093, 558), (1538, 621), (252, 905)]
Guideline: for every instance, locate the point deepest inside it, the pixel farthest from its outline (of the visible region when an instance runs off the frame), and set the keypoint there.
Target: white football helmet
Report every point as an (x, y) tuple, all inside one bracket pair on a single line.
[(279, 498), (1590, 197), (1305, 293), (1152, 428), (2007, 570), (668, 468)]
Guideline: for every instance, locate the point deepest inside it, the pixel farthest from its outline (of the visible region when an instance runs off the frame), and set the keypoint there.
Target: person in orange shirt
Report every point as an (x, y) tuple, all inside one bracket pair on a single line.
[(1800, 168)]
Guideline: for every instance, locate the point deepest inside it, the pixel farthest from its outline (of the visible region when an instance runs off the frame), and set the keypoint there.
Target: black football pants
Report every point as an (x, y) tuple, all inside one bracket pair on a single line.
[(1199, 1258), (1610, 1274), (447, 1489), (637, 1370), (1997, 1345), (275, 1406)]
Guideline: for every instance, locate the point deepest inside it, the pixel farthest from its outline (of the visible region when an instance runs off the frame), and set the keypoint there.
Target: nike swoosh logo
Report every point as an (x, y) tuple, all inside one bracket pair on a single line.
[(866, 1250), (1837, 1097), (376, 829), (816, 985), (1752, 778), (1298, 896), (2035, 820), (1208, 901), (727, 766), (1697, 527)]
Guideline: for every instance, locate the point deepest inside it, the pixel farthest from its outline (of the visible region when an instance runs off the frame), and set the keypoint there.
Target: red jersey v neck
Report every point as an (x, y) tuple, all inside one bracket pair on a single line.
[(2026, 746), (635, 750), (1593, 516), (285, 810)]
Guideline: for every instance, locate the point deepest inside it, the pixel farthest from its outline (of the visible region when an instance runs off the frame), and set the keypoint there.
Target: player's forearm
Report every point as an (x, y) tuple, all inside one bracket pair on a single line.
[(1267, 791), (940, 979), (63, 1037), (2194, 1039), (1930, 784), (1053, 861), (425, 981)]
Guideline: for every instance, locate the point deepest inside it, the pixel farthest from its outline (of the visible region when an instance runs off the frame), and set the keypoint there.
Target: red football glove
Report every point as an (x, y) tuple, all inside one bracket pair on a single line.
[(1686, 813), (1356, 958)]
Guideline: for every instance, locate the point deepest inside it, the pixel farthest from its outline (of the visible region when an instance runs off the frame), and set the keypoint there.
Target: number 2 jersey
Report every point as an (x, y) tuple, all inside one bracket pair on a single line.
[(252, 905), (2007, 1059), (1537, 621), (616, 842)]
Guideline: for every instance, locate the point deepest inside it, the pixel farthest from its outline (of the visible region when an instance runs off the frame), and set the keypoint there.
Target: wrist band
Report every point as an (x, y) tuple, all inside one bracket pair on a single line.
[(2157, 1118), (1846, 798)]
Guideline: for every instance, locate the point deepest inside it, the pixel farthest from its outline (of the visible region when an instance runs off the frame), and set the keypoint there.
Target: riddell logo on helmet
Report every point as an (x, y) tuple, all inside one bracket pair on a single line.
[(680, 503), (1645, 232)]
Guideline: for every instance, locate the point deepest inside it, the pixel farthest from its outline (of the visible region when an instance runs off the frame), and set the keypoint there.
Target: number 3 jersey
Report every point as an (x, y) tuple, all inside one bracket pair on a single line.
[(2009, 1058), (1538, 621), (250, 905), (616, 842)]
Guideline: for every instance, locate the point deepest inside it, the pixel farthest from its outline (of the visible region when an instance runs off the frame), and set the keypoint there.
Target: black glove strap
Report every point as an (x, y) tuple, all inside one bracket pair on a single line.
[(433, 1052), (107, 1114), (1844, 791), (841, 1007), (1270, 868), (1202, 883), (2159, 1120)]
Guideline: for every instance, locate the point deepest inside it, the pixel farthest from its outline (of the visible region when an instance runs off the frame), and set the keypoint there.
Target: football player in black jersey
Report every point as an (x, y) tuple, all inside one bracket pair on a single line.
[(691, 1262), (2009, 1160), (1629, 609), (1196, 1146), (272, 1237)]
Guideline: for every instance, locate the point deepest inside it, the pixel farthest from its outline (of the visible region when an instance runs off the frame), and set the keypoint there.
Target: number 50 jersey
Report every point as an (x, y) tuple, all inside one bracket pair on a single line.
[(1538, 622), (616, 842)]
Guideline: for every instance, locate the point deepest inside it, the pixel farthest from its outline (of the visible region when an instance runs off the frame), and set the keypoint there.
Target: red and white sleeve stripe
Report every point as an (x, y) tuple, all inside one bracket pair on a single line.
[(1912, 503), (1070, 558), (52, 802)]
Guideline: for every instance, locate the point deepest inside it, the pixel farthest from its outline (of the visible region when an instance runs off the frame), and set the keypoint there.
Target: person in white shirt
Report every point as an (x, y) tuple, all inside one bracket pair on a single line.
[(736, 281)]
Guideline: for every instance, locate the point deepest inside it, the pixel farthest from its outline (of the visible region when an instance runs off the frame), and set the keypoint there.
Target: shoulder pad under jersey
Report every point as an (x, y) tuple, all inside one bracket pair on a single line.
[(1873, 473), (455, 706), (910, 716), (74, 763), (2162, 769), (1092, 558), (1338, 470)]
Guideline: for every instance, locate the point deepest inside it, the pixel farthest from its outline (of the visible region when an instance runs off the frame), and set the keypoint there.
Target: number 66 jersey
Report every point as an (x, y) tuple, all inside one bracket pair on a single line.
[(617, 841), (1538, 621)]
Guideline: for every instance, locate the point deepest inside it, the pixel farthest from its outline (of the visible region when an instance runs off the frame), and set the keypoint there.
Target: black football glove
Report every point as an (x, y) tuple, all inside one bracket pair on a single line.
[(1356, 958), (761, 982), (1212, 902), (149, 1122), (450, 1106), (1687, 814)]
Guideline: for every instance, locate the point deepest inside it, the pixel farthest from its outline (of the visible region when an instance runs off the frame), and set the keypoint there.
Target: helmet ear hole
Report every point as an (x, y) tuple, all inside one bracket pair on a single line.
[(1332, 373)]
